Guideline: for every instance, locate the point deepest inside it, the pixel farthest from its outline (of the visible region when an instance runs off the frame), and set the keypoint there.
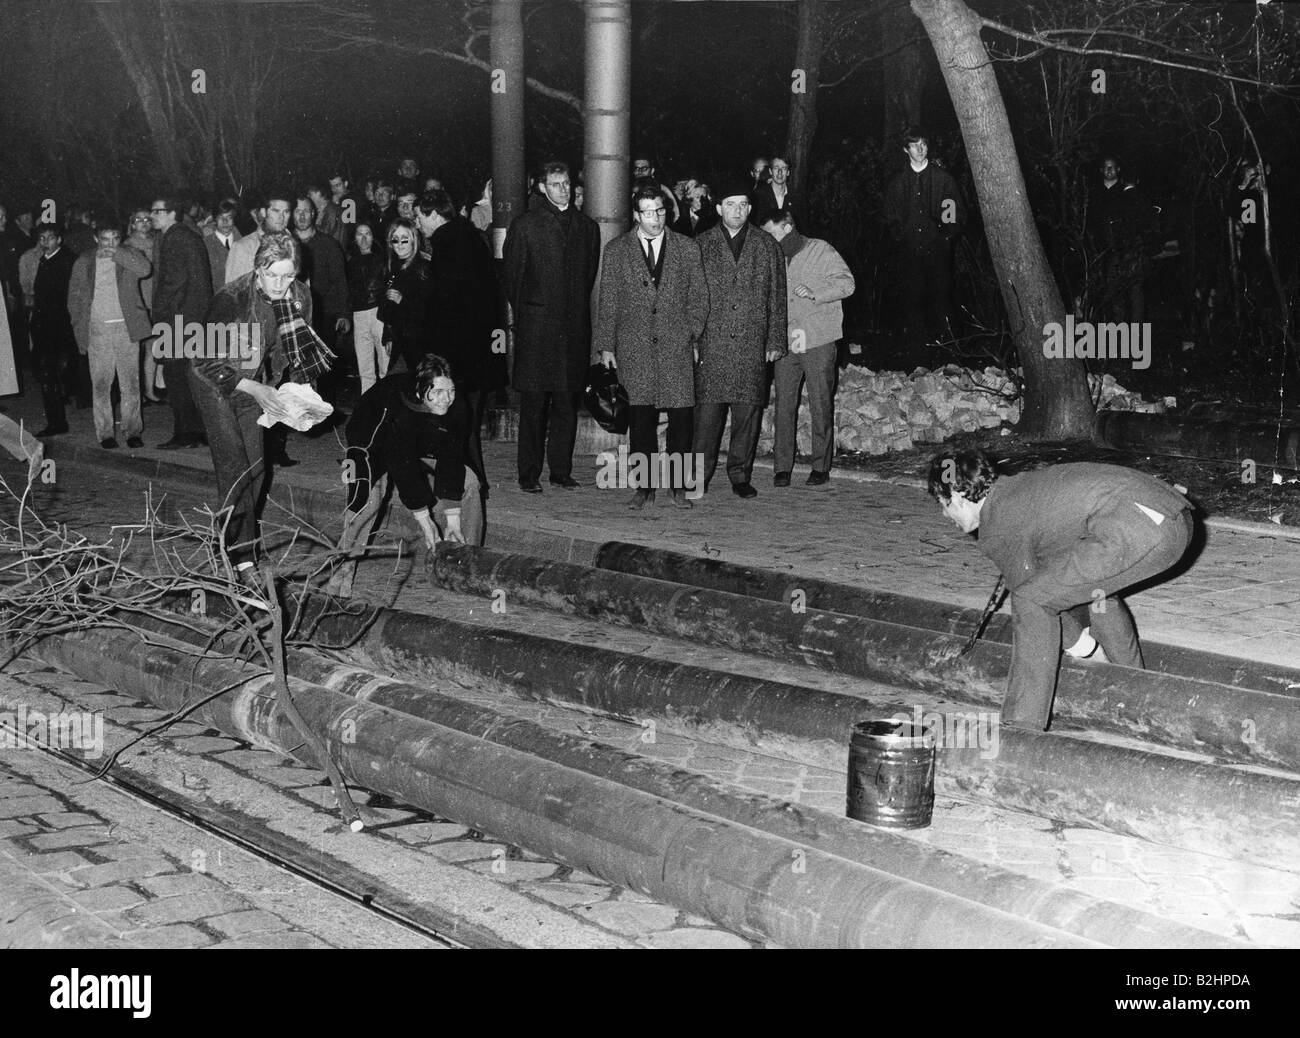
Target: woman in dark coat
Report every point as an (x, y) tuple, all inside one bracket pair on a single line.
[(405, 308)]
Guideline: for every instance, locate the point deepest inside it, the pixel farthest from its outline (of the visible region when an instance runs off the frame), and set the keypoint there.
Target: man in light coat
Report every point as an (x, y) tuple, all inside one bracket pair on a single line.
[(110, 321), (745, 330), (817, 278), (653, 304)]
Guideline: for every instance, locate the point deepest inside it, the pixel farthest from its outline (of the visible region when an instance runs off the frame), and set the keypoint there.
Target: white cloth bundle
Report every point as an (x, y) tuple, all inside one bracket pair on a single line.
[(304, 405)]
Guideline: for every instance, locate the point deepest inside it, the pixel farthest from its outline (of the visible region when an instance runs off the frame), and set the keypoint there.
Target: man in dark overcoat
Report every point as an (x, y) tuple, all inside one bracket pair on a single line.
[(551, 254), (182, 289), (653, 305), (746, 329), (1067, 540)]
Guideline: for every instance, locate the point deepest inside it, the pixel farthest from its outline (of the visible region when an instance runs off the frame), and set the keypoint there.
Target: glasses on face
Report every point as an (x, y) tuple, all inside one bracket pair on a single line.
[(279, 279), (155, 210), (399, 241), (652, 212)]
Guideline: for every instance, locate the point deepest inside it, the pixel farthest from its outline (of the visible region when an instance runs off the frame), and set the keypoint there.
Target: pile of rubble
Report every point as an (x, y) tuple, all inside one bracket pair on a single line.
[(879, 412)]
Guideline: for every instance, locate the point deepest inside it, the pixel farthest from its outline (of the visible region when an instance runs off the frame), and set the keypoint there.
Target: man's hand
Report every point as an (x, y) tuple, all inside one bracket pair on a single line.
[(343, 325), (804, 292), (393, 295), (266, 396), (607, 358), (773, 355)]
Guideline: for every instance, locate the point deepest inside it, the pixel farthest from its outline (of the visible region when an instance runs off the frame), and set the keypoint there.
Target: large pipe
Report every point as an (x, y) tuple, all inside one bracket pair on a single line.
[(1267, 444), (1038, 902), (1164, 799), (873, 604), (1181, 712), (748, 881), (607, 115)]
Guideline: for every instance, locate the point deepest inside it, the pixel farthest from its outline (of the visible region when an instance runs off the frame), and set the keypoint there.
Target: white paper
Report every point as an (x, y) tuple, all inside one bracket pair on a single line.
[(304, 405)]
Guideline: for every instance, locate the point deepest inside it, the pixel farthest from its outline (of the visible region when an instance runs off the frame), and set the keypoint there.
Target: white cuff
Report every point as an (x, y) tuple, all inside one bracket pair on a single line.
[(1084, 647)]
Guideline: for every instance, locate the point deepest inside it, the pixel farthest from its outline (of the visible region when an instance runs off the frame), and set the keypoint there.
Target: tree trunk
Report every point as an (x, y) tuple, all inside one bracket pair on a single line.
[(803, 92), (139, 67), (904, 74), (1057, 403)]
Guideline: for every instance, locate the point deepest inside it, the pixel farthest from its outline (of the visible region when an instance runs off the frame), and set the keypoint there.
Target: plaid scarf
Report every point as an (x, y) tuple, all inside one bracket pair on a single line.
[(309, 357)]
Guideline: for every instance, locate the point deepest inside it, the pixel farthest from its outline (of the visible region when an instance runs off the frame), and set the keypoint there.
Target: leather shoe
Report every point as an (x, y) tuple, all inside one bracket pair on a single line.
[(108, 444), (531, 487), (568, 482), (781, 479), (50, 430), (816, 479), (744, 490), (640, 499), (135, 443), (680, 500)]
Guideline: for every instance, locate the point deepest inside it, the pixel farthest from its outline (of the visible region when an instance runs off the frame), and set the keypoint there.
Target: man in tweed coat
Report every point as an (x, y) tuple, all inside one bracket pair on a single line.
[(653, 305), (746, 328)]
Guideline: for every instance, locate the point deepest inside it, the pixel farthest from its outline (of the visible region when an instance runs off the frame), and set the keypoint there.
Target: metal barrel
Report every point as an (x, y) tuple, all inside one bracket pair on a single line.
[(891, 774)]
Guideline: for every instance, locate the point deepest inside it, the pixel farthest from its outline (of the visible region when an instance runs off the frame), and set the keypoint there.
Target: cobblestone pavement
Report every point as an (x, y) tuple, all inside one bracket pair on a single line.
[(84, 865)]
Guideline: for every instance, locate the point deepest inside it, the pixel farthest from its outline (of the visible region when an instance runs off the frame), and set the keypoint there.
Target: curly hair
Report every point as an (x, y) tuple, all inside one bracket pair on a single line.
[(969, 473)]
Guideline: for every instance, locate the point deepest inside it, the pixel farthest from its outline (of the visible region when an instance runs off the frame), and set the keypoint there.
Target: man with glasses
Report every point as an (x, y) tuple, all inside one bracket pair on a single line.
[(653, 305), (550, 256), (746, 330), (182, 292)]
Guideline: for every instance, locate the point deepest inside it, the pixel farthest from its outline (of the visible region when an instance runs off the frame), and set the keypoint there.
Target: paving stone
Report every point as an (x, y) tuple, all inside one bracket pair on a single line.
[(427, 832), (84, 837), (12, 827), (321, 796), (240, 924), (187, 908), (117, 871), (20, 807), (630, 918), (250, 760), (289, 778), (568, 895), (207, 745), (108, 899), (59, 861), (515, 871), (281, 939), (67, 819), (180, 936), (694, 937), (181, 883), (463, 850), (15, 789), (125, 851)]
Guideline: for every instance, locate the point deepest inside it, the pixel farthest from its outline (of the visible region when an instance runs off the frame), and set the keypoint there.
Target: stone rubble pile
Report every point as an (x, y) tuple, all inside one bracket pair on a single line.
[(881, 411)]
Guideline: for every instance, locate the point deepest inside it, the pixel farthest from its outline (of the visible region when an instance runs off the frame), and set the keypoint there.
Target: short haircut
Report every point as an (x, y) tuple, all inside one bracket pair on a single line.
[(431, 367), (172, 204), (969, 473), (384, 182), (643, 189), (551, 168), (226, 205), (277, 246), (280, 194), (438, 202), (338, 175), (782, 215), (315, 186), (41, 228), (913, 134)]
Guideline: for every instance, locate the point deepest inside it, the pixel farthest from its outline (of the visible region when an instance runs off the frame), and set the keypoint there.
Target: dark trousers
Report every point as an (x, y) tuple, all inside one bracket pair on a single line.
[(817, 369), (927, 291), (238, 458), (54, 356), (1036, 628), (475, 399), (643, 435), (187, 422), (745, 421), (536, 412)]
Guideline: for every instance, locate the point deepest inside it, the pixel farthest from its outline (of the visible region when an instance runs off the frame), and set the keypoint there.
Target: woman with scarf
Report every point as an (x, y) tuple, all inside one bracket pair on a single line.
[(404, 308), (258, 336)]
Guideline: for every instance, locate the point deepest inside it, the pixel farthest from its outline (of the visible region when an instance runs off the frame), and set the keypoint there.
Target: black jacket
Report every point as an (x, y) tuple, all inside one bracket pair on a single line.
[(366, 280), (406, 324), (52, 277), (464, 319), (182, 276), (323, 266), (924, 209), (390, 433)]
